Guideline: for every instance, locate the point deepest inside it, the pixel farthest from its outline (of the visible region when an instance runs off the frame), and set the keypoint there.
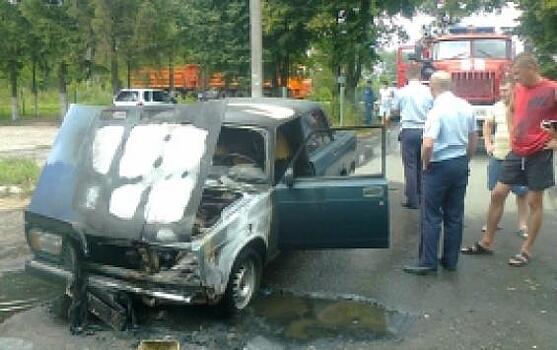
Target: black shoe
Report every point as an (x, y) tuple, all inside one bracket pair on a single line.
[(409, 205), (445, 266), (419, 270)]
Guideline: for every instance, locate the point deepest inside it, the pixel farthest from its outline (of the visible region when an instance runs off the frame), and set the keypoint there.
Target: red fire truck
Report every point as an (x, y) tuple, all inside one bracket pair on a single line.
[(477, 58)]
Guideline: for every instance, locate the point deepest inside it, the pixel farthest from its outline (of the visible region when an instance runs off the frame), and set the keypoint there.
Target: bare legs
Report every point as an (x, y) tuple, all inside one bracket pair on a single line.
[(535, 202), (522, 209), (496, 207)]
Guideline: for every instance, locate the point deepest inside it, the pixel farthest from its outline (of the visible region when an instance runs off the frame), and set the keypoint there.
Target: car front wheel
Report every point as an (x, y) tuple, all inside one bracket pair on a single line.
[(243, 282)]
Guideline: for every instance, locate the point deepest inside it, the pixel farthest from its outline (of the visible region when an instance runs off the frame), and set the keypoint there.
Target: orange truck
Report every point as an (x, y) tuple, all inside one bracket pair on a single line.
[(478, 59), (187, 78)]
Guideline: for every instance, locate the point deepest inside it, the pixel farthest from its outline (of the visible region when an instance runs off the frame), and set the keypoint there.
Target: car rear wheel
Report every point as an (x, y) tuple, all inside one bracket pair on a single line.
[(243, 282)]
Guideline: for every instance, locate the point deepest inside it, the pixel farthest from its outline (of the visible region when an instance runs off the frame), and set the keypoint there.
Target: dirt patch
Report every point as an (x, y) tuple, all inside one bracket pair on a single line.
[(27, 141), (26, 137), (8, 203)]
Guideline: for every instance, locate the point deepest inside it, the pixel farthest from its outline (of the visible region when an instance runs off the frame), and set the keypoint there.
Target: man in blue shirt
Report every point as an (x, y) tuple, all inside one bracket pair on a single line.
[(449, 142), (412, 102), (369, 100)]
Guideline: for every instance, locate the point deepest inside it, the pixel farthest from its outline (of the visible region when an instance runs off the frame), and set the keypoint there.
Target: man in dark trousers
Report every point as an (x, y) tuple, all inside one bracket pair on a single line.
[(412, 102), (530, 162), (449, 141)]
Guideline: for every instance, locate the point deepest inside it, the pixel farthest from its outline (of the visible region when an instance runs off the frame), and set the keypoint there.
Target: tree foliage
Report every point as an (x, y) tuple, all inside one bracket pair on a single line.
[(538, 24), (81, 39), (14, 46)]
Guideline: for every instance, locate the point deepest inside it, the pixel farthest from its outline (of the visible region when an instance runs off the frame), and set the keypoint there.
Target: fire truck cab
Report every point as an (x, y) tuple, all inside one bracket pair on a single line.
[(477, 58)]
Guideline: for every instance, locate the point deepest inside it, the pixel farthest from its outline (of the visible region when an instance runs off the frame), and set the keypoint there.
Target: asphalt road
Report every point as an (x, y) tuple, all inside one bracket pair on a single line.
[(485, 304)]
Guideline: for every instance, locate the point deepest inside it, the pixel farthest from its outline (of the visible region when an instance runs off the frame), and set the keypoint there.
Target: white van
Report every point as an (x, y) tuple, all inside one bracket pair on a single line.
[(142, 97)]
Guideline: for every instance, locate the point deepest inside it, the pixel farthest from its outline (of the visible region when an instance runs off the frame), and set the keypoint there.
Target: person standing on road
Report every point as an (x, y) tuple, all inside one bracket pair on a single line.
[(530, 161), (449, 141), (369, 100), (385, 99), (412, 102), (497, 145)]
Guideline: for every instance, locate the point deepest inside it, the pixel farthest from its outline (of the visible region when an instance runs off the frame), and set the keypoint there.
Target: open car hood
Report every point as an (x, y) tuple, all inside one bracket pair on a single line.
[(130, 173)]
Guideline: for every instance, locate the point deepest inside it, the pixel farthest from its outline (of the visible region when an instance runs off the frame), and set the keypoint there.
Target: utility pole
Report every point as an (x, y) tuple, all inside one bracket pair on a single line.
[(342, 81), (256, 42)]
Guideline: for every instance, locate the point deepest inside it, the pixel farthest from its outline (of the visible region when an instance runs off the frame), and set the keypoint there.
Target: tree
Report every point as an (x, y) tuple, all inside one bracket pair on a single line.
[(215, 33), (287, 37), (60, 29), (158, 40), (537, 25), (37, 52), (113, 24), (346, 34), (13, 41)]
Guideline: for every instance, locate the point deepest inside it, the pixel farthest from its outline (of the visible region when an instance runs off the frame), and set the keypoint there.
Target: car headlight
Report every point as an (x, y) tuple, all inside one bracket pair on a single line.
[(41, 241)]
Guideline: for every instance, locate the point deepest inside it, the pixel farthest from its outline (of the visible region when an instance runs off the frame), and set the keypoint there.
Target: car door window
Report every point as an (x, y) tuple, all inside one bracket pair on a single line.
[(312, 122), (127, 96), (147, 96), (161, 96), (288, 144)]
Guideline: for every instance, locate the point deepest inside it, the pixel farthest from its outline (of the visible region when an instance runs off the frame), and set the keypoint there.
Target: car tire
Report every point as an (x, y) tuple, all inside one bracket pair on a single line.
[(243, 282)]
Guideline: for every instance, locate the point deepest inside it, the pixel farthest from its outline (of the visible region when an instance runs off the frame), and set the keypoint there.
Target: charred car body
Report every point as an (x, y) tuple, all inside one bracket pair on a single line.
[(185, 204)]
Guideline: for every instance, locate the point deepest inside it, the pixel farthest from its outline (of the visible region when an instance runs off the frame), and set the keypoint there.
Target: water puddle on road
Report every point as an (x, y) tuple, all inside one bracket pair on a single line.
[(20, 291), (305, 318)]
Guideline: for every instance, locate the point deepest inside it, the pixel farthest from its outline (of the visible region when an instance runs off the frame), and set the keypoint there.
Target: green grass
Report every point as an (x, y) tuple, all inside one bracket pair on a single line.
[(23, 172), (49, 101)]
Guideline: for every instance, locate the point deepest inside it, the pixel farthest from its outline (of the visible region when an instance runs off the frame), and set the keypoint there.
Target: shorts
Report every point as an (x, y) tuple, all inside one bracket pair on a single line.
[(493, 171), (534, 171)]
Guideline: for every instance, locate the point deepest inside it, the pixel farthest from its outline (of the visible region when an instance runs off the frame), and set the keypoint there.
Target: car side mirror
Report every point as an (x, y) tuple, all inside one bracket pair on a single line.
[(289, 177)]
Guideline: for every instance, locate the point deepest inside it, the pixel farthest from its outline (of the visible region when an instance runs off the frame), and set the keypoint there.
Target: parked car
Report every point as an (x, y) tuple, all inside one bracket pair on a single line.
[(142, 97), (187, 204)]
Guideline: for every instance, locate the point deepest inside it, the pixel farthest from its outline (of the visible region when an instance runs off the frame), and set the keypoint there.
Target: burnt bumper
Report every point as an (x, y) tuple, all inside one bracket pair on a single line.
[(194, 294)]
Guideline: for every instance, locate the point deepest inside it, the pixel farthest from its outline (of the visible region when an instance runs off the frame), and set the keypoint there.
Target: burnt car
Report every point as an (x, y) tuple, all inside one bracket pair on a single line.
[(186, 204)]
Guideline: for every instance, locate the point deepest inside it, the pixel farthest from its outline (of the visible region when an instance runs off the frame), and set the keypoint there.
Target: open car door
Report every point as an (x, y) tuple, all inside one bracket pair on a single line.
[(351, 211)]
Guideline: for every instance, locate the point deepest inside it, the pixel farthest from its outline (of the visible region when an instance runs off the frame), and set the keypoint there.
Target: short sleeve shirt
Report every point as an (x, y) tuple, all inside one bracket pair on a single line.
[(413, 101), (449, 123), (532, 105), (501, 142)]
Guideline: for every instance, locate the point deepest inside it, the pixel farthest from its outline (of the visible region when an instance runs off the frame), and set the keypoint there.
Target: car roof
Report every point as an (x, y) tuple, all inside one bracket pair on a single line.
[(266, 112), (139, 90)]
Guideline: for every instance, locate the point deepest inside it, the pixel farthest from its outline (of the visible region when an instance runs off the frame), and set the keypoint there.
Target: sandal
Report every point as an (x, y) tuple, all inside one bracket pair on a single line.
[(521, 259), (522, 233), (476, 249), (484, 228)]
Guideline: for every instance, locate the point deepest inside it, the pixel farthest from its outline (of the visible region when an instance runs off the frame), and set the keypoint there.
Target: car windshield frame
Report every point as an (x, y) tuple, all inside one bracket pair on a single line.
[(264, 134), (493, 48), (452, 49)]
